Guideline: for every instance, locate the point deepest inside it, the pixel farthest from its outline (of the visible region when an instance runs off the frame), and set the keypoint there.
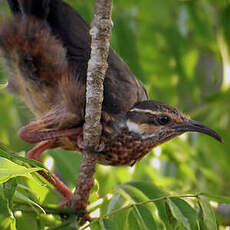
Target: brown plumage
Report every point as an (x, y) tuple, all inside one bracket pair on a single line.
[(37, 62), (47, 46), (48, 64)]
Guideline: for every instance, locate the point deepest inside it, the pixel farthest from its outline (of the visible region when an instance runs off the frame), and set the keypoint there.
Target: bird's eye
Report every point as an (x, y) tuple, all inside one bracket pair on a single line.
[(163, 119)]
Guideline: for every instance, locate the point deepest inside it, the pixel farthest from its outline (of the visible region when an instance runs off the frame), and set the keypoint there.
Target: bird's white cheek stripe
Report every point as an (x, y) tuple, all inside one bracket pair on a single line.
[(135, 128)]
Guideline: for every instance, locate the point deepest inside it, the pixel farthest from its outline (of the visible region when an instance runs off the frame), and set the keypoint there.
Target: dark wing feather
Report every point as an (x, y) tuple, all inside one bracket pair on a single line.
[(71, 29), (121, 88)]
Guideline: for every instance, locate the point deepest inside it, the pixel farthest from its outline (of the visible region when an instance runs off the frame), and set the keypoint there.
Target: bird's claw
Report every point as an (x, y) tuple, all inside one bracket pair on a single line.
[(81, 145)]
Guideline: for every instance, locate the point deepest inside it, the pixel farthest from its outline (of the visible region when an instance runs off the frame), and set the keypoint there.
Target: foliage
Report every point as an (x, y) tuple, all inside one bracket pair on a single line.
[(180, 50)]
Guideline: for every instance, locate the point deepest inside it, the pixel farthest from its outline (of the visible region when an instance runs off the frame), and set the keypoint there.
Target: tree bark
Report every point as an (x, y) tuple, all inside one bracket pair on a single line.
[(100, 34)]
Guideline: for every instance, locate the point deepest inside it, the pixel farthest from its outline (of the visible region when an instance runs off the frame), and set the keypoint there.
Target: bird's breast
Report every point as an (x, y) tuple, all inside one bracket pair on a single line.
[(124, 149)]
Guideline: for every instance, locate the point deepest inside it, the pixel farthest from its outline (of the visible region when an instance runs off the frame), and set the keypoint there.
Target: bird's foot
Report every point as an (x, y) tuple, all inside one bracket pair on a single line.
[(81, 145)]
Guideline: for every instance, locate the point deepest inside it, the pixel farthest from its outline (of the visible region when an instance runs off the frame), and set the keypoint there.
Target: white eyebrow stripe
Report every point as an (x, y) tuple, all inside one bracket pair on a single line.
[(145, 111)]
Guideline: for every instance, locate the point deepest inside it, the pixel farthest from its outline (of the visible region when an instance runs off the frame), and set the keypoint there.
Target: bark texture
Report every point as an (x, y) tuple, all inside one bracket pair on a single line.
[(100, 34)]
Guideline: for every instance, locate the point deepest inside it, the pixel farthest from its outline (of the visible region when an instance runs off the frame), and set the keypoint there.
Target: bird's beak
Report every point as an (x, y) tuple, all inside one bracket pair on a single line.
[(195, 126)]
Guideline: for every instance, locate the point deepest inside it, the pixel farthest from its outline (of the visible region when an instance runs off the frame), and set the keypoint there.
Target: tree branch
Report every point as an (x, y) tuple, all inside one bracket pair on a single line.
[(100, 33)]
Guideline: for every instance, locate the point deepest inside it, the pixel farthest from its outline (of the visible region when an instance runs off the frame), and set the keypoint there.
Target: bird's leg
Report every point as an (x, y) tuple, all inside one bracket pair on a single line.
[(58, 184), (33, 132)]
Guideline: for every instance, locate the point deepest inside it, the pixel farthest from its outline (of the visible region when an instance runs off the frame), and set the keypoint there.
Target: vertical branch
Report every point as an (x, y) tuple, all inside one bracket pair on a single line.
[(100, 33)]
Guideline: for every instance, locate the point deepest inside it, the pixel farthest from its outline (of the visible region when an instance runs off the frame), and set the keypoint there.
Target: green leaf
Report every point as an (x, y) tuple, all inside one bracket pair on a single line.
[(208, 219), (107, 224), (9, 189), (148, 188), (95, 226), (7, 219), (144, 218), (9, 169), (173, 222), (28, 221), (152, 192), (7, 223), (24, 198), (15, 158), (104, 224), (120, 218), (133, 222), (144, 214), (184, 213), (218, 198)]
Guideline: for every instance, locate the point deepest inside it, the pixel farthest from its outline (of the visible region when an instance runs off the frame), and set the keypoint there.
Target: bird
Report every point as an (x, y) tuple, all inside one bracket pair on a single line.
[(46, 45)]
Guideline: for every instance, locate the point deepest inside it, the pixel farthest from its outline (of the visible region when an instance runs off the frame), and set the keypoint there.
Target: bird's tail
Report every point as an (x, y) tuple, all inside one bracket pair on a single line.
[(36, 58), (31, 50)]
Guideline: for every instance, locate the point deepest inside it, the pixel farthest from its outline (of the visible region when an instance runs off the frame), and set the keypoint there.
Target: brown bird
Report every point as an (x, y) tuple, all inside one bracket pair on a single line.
[(47, 47)]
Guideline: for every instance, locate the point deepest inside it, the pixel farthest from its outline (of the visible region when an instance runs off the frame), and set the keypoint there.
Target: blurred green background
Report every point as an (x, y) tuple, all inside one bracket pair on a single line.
[(181, 51)]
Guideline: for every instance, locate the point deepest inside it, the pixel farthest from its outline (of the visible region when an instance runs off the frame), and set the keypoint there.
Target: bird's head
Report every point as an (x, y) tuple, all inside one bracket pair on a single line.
[(161, 122)]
